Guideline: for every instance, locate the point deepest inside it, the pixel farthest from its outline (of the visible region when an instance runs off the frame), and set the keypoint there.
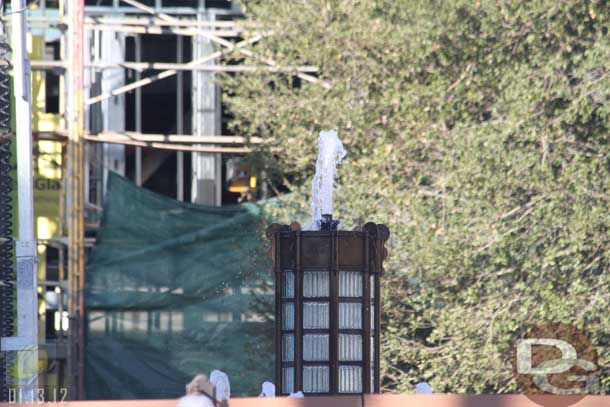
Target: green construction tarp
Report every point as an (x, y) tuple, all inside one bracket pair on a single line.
[(172, 290)]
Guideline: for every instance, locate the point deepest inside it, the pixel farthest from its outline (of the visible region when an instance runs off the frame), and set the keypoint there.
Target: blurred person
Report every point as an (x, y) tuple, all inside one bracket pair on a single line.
[(220, 381), (199, 393)]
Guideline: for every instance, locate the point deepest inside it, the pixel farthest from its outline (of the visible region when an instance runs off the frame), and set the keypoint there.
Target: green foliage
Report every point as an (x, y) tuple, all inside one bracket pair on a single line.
[(479, 132)]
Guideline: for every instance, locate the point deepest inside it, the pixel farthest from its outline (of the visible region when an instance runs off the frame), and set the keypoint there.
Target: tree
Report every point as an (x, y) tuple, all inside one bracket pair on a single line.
[(479, 132)]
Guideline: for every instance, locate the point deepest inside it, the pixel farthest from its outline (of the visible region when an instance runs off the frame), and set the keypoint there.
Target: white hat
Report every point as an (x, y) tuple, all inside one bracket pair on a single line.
[(268, 390), (223, 387)]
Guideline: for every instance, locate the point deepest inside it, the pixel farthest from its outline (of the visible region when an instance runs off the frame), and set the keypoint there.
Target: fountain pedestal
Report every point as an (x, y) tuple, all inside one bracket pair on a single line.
[(327, 307)]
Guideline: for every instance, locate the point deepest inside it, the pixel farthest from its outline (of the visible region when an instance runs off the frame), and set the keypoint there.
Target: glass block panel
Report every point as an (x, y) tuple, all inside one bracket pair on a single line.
[(288, 316), (288, 285), (350, 379), (315, 348), (372, 363), (288, 348), (315, 379), (287, 380), (315, 284), (350, 315), (315, 315), (372, 316), (350, 348), (372, 286), (350, 284)]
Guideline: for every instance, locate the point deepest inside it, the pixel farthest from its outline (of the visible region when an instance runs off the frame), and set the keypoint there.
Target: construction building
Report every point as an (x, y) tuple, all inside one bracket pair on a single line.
[(142, 102)]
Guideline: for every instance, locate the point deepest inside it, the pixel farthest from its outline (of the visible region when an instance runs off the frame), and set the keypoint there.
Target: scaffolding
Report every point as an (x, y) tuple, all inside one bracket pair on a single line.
[(90, 61)]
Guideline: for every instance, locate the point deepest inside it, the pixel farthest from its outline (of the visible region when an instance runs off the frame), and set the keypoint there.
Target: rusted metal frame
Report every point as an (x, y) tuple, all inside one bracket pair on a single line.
[(316, 299), (359, 300), (361, 331), (275, 247), (351, 331), (322, 363), (377, 272), (298, 315), (351, 268), (334, 314), (293, 300), (322, 331), (366, 315), (313, 268)]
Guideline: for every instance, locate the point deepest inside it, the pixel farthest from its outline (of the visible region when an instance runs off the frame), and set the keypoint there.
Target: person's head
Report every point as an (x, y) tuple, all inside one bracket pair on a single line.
[(200, 385)]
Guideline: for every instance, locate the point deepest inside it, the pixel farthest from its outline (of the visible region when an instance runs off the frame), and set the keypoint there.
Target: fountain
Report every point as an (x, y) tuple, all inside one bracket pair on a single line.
[(327, 294), (330, 154)]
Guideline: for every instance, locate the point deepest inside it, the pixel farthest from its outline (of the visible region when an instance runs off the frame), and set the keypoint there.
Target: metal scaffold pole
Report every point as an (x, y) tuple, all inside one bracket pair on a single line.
[(25, 344), (76, 195)]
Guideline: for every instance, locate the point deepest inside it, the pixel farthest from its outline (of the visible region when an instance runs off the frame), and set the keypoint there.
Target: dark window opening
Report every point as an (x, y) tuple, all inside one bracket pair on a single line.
[(52, 79)]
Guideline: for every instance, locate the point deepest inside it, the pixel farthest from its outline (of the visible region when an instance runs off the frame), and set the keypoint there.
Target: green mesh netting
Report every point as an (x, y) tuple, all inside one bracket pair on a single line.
[(174, 289)]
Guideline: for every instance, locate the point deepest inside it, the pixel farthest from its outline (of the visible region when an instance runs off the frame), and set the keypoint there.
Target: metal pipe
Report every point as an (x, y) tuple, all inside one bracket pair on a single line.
[(145, 21), (66, 194), (174, 147), (138, 115), (161, 30), (166, 74), (179, 122), (151, 30), (76, 232), (173, 138), (159, 66), (26, 341), (151, 137)]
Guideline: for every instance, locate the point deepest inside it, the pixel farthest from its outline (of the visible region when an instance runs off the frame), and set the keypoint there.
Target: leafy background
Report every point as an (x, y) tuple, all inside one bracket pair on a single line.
[(479, 132)]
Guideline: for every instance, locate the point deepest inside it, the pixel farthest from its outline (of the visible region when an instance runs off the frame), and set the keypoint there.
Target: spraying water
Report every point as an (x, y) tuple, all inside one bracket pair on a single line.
[(330, 154)]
